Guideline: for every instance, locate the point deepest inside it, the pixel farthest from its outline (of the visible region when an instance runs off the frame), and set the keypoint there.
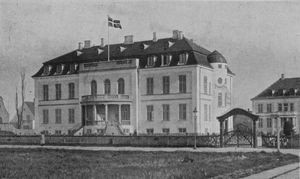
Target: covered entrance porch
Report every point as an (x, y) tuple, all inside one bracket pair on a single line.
[(105, 118)]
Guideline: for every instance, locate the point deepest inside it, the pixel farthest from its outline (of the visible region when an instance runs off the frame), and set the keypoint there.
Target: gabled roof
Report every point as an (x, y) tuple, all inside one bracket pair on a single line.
[(30, 106), (286, 87)]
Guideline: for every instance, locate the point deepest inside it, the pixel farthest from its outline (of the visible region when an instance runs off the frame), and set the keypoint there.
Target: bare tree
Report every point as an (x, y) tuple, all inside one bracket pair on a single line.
[(20, 112), (17, 110)]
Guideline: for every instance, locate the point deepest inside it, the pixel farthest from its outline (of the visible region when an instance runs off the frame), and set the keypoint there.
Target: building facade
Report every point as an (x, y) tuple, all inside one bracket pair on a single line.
[(4, 116), (281, 100), (145, 87)]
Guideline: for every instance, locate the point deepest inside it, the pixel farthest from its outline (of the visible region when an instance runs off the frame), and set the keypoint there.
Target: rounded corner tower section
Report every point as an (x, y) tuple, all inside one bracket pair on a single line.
[(222, 85)]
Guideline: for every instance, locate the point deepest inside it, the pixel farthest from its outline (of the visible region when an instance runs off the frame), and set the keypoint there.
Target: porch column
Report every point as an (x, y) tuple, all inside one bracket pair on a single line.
[(95, 113), (119, 114), (254, 134), (106, 112), (221, 133), (85, 115)]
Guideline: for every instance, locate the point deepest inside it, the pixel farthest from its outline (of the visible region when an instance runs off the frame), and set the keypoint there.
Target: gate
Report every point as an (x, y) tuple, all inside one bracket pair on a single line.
[(238, 138)]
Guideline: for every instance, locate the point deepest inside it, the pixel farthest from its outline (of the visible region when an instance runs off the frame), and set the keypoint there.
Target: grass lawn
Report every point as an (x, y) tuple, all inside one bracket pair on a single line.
[(48, 163)]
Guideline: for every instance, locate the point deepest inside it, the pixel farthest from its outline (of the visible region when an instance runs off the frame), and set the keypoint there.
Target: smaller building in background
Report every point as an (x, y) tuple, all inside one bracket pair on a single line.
[(4, 116), (281, 100), (28, 116)]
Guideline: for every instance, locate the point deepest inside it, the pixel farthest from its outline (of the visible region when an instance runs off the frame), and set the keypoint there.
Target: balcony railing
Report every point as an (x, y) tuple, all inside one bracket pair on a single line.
[(95, 123), (105, 97)]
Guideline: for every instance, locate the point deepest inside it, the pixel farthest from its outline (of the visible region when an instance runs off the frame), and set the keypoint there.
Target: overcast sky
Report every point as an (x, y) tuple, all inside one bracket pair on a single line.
[(260, 40)]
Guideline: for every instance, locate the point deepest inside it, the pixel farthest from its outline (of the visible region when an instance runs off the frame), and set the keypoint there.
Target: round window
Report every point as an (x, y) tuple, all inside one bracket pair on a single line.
[(220, 80)]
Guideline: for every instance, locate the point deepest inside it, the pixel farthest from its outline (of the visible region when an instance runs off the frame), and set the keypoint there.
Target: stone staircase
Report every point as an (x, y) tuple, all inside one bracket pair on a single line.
[(113, 128)]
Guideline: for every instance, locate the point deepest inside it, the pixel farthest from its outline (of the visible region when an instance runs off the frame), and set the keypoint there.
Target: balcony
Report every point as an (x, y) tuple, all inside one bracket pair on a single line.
[(105, 97)]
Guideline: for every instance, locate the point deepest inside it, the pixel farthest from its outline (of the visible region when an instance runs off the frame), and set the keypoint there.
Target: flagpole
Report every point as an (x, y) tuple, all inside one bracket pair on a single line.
[(107, 38)]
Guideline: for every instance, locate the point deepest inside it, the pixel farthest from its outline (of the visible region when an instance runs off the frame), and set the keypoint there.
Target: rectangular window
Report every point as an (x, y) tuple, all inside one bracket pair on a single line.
[(183, 58), (260, 108), (165, 130), (45, 116), (182, 84), (58, 91), (166, 84), (260, 123), (205, 85), (182, 111), (149, 85), (205, 112), (151, 61), (165, 60), (71, 90), (46, 92), (150, 131), (291, 106), (150, 113), (209, 113), (269, 108), (125, 112), (57, 132), (269, 122), (70, 132), (71, 116), (166, 112), (220, 102), (279, 107), (58, 116), (285, 107), (182, 130)]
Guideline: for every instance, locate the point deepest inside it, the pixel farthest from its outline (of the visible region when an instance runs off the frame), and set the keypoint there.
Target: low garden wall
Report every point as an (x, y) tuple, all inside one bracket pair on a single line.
[(142, 141)]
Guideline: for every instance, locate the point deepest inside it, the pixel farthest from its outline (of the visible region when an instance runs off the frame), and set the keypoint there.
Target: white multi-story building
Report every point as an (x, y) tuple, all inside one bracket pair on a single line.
[(281, 99), (148, 86)]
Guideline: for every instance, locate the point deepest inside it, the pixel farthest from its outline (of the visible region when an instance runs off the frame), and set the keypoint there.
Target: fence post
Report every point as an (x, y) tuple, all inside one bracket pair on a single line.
[(221, 133)]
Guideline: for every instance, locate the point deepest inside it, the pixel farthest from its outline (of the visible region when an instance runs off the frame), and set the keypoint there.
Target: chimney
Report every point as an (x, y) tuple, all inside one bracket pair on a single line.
[(128, 39), (175, 34), (282, 76), (180, 35), (154, 37), (87, 44), (102, 42), (80, 46)]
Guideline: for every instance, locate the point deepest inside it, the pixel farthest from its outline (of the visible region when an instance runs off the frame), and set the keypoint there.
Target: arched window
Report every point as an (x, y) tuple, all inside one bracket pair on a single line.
[(121, 86), (93, 88), (107, 86)]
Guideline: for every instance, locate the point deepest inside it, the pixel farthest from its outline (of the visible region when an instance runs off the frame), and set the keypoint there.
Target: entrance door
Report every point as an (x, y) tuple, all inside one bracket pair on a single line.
[(113, 113)]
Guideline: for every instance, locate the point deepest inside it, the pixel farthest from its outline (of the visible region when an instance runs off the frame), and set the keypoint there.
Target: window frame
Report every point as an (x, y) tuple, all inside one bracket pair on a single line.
[(46, 92), (93, 88), (71, 115), (150, 111), (182, 112), (58, 91), (166, 84), (107, 86), (166, 112), (121, 86), (58, 113), (149, 86), (182, 83), (45, 116), (71, 90)]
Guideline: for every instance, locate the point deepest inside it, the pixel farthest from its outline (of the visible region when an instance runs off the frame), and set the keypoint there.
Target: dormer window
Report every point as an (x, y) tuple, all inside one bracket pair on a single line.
[(122, 49), (183, 58), (59, 69), (283, 92), (73, 68), (145, 46), (151, 61), (47, 69), (166, 60), (170, 44), (273, 92)]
